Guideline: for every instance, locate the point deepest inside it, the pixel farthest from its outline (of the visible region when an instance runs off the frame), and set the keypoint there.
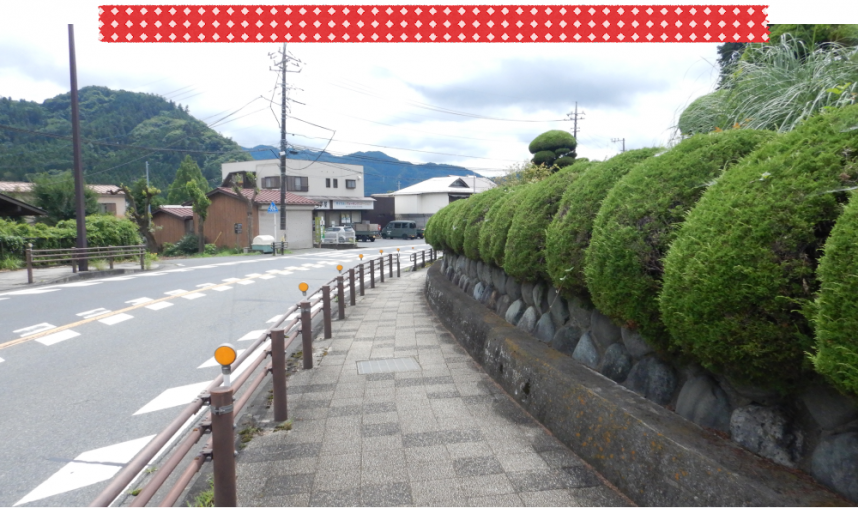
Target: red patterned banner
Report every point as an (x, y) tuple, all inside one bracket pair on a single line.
[(433, 23)]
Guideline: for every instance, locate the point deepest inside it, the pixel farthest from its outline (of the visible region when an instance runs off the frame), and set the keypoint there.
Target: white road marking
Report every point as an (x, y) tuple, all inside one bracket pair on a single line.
[(50, 340), (138, 301), (298, 268), (245, 282), (173, 397), (179, 264), (176, 292), (205, 266), (272, 271), (92, 313), (151, 274), (253, 275), (222, 288), (207, 284), (159, 305), (118, 318), (111, 279), (266, 277), (231, 279), (2, 360), (88, 468), (177, 270), (30, 330), (81, 284), (250, 335), (32, 291), (193, 296), (3, 298), (211, 362), (275, 318)]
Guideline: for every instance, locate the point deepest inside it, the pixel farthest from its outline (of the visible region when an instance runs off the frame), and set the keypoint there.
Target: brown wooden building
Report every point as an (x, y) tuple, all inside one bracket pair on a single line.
[(172, 222)]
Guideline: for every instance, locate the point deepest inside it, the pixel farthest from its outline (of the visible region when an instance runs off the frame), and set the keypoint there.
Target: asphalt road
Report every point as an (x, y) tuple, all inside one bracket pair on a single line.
[(81, 401)]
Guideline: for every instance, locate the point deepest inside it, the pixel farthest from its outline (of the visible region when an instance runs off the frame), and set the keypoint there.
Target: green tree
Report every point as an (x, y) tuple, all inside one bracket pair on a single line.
[(188, 171), (554, 149), (54, 193), (201, 207), (141, 199)]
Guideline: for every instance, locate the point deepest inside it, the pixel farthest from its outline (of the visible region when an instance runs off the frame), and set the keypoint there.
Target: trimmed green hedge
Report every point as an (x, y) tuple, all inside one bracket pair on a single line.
[(740, 277), (454, 231), (479, 206), (544, 157), (101, 231), (569, 233), (497, 223), (836, 317), (435, 233), (525, 242), (637, 223), (487, 227)]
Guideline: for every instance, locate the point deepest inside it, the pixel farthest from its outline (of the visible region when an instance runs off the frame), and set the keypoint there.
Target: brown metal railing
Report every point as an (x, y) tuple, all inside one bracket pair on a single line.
[(75, 256), (220, 447)]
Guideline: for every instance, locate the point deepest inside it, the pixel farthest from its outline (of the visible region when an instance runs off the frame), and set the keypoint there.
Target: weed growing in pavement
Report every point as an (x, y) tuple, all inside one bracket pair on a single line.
[(135, 492), (99, 264), (247, 435), (287, 425), (206, 497)]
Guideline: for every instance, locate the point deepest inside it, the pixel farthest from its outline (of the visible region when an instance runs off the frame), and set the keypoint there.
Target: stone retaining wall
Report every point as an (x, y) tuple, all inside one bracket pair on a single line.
[(817, 432)]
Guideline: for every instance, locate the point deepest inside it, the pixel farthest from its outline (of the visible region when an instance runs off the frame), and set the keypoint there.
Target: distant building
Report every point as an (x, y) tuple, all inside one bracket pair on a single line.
[(337, 189), (172, 222), (424, 199), (110, 198), (15, 208)]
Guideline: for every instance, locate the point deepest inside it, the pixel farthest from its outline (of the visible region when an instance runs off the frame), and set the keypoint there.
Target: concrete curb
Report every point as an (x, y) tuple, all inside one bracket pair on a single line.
[(651, 454)]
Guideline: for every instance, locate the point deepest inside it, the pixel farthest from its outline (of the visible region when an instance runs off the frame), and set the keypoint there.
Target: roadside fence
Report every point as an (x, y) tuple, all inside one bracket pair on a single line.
[(223, 408), (76, 256)]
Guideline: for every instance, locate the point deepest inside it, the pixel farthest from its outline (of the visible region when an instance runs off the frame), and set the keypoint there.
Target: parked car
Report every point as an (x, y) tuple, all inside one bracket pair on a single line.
[(404, 229), (339, 234)]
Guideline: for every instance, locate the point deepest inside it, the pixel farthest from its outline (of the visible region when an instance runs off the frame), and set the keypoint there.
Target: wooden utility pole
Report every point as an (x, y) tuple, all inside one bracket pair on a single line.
[(80, 208), (575, 116)]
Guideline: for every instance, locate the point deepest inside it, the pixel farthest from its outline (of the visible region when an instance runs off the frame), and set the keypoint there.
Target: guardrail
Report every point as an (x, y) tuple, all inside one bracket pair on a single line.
[(223, 408), (76, 256)]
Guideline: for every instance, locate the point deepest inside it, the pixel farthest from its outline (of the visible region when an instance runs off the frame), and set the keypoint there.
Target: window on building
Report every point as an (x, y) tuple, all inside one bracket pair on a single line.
[(335, 183), (107, 208), (327, 182), (351, 184), (297, 184), (271, 182)]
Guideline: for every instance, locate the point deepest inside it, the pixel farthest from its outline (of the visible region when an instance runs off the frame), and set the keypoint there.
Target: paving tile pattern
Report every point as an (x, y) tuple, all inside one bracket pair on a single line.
[(445, 435)]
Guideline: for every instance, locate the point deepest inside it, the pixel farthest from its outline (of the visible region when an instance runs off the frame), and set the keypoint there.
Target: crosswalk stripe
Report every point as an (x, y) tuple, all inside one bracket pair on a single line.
[(50, 340)]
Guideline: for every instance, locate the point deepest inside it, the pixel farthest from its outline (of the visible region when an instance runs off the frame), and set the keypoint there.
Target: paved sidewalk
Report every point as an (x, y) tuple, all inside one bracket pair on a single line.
[(442, 435)]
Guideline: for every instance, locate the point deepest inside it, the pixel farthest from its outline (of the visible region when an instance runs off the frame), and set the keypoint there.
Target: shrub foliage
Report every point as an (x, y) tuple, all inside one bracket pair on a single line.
[(478, 207), (740, 276), (488, 224), (836, 318), (525, 242), (637, 222), (569, 233), (497, 223), (455, 225)]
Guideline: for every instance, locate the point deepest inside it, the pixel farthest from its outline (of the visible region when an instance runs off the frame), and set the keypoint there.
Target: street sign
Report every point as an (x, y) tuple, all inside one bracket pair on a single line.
[(273, 208), (237, 227)]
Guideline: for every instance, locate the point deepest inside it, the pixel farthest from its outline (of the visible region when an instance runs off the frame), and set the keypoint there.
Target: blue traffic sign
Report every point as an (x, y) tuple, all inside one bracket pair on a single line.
[(273, 208)]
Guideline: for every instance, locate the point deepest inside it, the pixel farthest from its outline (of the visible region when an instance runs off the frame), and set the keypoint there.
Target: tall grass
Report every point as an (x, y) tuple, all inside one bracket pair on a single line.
[(774, 87)]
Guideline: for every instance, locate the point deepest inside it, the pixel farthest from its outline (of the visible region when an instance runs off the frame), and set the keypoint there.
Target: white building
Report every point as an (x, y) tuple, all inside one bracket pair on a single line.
[(338, 189), (422, 200)]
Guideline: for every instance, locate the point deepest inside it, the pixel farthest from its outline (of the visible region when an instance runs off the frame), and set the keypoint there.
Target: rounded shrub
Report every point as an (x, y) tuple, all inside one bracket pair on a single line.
[(480, 204), (487, 229), (525, 243), (458, 222), (568, 235), (638, 219), (553, 140), (434, 233), (563, 162), (704, 114), (544, 157), (497, 222), (836, 318), (740, 277)]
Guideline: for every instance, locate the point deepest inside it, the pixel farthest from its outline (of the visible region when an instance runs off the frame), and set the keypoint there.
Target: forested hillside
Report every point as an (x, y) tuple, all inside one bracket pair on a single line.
[(112, 121)]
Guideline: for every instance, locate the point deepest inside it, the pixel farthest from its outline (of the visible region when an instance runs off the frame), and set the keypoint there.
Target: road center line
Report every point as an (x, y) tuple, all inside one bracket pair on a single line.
[(35, 336)]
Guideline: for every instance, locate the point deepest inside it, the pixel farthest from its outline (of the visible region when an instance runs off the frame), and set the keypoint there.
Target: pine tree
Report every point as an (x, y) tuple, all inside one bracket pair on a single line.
[(188, 171)]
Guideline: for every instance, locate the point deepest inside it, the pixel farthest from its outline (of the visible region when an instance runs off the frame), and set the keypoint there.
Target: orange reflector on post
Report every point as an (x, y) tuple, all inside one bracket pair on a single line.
[(303, 287), (361, 256), (339, 268), (225, 354)]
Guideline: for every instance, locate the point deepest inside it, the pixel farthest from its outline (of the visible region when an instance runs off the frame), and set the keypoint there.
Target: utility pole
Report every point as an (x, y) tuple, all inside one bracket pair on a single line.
[(617, 140), (281, 65), (80, 208), (575, 117)]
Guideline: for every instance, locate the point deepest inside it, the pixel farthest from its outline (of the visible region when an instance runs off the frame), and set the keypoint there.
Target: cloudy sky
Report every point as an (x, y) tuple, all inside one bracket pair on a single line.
[(387, 95)]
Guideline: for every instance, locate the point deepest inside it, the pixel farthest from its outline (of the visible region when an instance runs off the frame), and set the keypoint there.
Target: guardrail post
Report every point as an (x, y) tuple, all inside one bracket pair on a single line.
[(341, 297), (381, 267), (273, 249), (397, 265), (110, 257), (278, 373), (432, 254), (223, 447), (326, 309), (352, 286), (306, 335), (361, 282), (423, 259), (74, 260), (415, 261), (390, 265), (29, 263), (372, 273), (142, 258)]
